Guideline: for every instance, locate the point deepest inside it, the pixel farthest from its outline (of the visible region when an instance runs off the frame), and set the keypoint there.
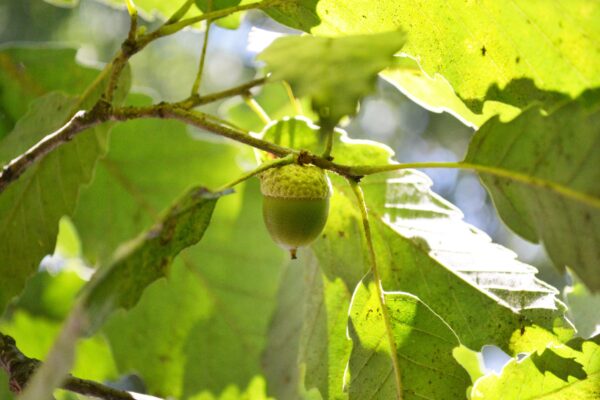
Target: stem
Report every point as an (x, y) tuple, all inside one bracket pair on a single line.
[(195, 100), (180, 12), (295, 103), (131, 9), (199, 120), (328, 132), (495, 171), (198, 81), (169, 29), (254, 106), (21, 368), (278, 162), (380, 292), (196, 85)]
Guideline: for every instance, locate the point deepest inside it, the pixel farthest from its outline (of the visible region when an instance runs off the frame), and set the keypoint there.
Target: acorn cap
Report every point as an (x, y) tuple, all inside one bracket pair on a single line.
[(295, 181)]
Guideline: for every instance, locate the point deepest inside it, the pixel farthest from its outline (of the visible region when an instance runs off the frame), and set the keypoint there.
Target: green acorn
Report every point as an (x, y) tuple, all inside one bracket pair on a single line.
[(295, 204)]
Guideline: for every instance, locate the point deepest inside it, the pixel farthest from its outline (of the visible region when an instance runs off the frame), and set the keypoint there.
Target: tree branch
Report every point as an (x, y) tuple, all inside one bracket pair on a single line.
[(80, 121), (21, 368)]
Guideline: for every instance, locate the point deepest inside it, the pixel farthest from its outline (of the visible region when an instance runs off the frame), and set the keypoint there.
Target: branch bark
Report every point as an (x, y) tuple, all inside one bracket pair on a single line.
[(79, 122), (21, 368)]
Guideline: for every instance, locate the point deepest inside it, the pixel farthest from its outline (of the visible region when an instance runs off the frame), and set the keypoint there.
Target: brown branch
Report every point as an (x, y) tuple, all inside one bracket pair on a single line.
[(21, 368), (103, 112), (80, 121)]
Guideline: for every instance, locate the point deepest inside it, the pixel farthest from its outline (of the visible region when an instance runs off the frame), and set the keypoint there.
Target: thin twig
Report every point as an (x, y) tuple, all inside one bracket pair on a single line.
[(278, 162), (378, 287), (195, 100), (177, 15), (256, 108), (198, 80), (21, 368)]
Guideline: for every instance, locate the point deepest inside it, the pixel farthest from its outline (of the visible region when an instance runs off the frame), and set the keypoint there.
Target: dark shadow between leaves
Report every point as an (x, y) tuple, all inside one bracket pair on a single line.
[(549, 361), (520, 93)]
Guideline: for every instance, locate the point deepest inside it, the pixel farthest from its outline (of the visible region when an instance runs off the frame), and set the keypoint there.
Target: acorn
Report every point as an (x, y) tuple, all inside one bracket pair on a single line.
[(295, 204)]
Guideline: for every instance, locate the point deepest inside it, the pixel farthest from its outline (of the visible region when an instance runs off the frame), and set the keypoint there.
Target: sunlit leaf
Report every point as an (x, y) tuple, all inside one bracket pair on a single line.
[(559, 373), (424, 248), (515, 53), (423, 345)]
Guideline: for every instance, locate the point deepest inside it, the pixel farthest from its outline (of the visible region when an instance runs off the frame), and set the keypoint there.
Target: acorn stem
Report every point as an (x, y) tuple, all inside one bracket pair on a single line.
[(289, 159)]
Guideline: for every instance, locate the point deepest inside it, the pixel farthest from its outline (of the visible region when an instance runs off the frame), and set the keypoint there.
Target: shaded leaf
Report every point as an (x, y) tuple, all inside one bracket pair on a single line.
[(514, 53), (147, 259), (535, 376), (423, 344), (543, 174), (334, 72), (30, 72), (583, 309), (230, 21), (129, 192), (217, 303), (31, 207)]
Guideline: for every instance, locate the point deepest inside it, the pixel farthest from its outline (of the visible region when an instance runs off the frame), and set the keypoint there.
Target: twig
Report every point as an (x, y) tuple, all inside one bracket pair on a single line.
[(198, 80), (80, 121), (196, 100), (278, 162), (256, 108), (21, 368), (177, 15), (378, 287)]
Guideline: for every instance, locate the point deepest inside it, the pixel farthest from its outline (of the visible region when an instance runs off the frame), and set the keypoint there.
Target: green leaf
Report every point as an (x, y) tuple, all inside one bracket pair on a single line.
[(583, 309), (300, 133), (35, 335), (423, 348), (218, 297), (147, 258), (543, 172), (255, 391), (516, 54), (470, 360), (31, 207), (559, 373), (217, 303), (149, 9), (128, 192), (423, 247), (230, 21), (334, 72), (30, 72), (436, 94)]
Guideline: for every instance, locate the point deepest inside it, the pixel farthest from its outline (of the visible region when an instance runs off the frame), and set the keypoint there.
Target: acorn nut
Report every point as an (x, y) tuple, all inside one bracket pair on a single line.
[(295, 204)]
